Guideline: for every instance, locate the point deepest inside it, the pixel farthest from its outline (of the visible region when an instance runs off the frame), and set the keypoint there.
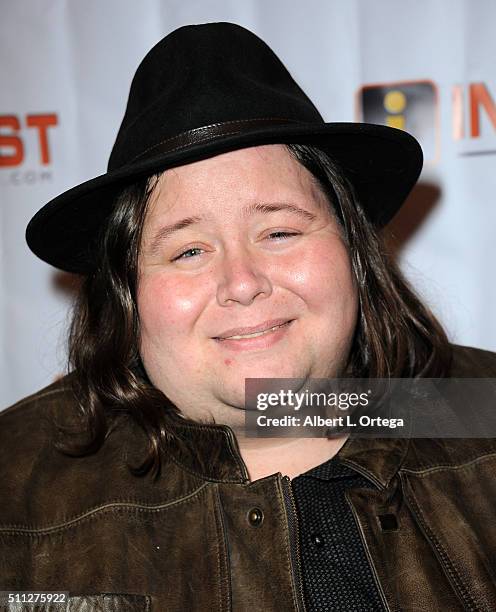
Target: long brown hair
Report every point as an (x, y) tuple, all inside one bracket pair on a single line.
[(396, 335)]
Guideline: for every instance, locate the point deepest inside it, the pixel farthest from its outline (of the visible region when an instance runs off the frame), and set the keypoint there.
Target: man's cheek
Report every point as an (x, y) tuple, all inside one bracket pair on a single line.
[(165, 305)]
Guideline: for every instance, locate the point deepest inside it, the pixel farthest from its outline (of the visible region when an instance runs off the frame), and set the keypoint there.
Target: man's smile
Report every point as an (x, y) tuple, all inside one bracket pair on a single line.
[(270, 333), (251, 332)]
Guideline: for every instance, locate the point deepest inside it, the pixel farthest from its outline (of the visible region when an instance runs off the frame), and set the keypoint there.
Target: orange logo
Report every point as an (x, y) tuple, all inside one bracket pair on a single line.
[(474, 115), (12, 140), (20, 136)]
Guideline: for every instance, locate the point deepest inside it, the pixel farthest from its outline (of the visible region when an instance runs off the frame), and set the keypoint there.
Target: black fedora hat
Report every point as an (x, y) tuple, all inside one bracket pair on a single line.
[(208, 89)]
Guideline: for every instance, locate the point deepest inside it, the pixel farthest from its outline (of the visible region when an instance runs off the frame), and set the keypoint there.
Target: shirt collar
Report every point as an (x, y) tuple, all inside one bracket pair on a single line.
[(331, 470)]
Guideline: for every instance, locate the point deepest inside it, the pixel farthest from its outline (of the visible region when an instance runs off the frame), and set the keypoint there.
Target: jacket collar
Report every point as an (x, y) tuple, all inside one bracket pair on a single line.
[(207, 450), (211, 452), (378, 459)]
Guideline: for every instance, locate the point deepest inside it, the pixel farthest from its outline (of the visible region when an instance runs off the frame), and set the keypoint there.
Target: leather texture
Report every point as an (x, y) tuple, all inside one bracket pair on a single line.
[(186, 541), (105, 602)]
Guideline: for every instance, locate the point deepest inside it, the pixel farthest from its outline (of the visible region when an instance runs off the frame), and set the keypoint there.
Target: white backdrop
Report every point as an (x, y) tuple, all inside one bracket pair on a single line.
[(425, 65)]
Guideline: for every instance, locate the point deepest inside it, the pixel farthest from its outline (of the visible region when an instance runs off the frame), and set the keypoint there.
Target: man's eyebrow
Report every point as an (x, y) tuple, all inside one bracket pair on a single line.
[(268, 208), (167, 230)]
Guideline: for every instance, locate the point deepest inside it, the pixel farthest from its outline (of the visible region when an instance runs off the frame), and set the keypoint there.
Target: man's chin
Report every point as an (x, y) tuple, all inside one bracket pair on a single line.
[(229, 407), (232, 417)]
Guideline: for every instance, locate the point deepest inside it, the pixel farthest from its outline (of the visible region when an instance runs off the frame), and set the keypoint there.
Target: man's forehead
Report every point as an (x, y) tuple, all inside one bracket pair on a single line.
[(271, 161), (251, 177), (249, 210)]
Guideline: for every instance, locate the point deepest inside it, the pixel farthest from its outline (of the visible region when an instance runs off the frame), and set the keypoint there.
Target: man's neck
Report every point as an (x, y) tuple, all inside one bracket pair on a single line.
[(290, 456)]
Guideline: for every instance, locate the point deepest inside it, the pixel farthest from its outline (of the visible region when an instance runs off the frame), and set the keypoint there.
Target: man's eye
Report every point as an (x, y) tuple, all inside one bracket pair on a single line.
[(188, 253), (195, 251), (281, 235)]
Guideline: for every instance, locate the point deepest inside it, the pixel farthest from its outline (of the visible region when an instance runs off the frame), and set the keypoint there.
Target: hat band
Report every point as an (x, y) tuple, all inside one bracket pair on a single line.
[(208, 132)]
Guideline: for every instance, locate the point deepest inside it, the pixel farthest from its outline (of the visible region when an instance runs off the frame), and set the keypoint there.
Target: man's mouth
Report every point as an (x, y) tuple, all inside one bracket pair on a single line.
[(260, 330), (254, 335)]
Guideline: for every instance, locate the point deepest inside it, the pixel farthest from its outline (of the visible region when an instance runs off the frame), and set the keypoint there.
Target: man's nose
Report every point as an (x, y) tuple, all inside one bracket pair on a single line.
[(242, 278)]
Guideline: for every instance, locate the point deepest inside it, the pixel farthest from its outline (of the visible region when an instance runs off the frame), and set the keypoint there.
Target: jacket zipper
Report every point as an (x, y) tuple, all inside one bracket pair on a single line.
[(369, 556), (294, 543)]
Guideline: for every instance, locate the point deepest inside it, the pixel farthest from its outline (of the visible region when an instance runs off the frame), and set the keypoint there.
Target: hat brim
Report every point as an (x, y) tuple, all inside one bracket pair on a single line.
[(382, 163)]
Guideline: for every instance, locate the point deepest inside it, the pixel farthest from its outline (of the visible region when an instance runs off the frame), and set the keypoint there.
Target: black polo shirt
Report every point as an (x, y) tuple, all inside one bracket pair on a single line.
[(336, 572)]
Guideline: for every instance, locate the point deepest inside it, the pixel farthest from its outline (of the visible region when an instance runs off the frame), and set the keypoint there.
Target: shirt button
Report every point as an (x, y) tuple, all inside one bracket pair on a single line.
[(317, 539), (255, 517)]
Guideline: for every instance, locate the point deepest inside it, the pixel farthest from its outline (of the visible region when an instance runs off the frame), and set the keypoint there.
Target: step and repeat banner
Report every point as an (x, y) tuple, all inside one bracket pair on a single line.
[(426, 66)]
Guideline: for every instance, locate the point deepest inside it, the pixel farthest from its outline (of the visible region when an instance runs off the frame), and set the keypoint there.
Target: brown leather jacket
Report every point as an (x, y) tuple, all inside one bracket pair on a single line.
[(202, 539)]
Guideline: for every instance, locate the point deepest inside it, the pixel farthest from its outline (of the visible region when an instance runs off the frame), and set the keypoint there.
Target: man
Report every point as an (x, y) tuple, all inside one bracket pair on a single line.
[(234, 236)]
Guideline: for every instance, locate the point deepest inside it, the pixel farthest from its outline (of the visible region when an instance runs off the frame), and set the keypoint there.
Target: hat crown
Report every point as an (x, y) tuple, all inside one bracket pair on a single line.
[(202, 91), (201, 75)]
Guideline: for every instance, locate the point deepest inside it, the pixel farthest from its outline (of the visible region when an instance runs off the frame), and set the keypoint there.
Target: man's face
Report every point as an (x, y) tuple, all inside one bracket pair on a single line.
[(233, 246)]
